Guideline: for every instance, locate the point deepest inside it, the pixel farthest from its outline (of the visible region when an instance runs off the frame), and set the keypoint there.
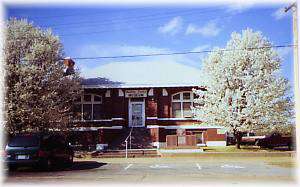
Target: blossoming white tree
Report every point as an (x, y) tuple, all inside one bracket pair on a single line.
[(245, 90), (37, 96)]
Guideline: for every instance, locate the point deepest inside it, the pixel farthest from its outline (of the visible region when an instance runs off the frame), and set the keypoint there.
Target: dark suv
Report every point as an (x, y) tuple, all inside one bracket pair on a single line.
[(42, 150)]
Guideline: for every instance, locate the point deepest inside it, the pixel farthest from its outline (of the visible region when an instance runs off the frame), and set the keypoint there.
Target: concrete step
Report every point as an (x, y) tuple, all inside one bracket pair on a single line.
[(140, 138), (129, 156), (130, 153)]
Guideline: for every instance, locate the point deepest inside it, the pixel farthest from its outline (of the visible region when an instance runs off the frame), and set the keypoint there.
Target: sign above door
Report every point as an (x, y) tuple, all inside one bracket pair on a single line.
[(135, 93)]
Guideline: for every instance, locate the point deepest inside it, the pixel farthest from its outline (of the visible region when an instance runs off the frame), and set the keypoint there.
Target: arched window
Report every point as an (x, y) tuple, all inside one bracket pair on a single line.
[(181, 105), (88, 107)]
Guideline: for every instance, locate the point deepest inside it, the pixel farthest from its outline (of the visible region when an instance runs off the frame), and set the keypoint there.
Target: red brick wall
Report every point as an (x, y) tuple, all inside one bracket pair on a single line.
[(151, 107), (212, 135), (174, 141), (177, 122), (155, 106), (154, 132)]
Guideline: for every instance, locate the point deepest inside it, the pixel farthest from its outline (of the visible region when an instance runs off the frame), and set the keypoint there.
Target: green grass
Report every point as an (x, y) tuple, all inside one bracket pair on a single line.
[(244, 148), (231, 149), (288, 164)]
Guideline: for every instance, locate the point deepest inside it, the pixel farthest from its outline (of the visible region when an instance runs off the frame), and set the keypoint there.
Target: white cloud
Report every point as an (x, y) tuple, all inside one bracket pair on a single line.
[(210, 29), (283, 52), (172, 27), (240, 6), (279, 14), (201, 48)]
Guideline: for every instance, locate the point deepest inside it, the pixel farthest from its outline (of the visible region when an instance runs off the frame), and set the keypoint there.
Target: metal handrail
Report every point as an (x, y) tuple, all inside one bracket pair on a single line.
[(126, 142)]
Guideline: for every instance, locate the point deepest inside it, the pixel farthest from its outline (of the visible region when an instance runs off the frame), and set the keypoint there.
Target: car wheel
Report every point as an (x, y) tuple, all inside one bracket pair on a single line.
[(270, 147), (12, 168), (70, 160), (47, 164)]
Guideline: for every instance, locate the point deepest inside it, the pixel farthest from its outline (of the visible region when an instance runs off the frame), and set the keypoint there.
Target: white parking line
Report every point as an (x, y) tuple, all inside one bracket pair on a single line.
[(159, 166), (231, 166), (198, 166), (127, 167)]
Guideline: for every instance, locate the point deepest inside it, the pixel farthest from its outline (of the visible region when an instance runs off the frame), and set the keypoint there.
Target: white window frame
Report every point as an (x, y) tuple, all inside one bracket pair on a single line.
[(181, 101), (92, 102), (130, 112)]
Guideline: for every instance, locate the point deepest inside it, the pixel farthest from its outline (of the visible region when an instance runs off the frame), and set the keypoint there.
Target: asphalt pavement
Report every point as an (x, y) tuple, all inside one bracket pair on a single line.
[(162, 170)]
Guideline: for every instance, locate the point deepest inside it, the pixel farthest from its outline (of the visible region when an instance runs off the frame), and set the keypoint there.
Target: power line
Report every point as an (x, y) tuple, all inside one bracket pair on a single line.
[(122, 19), (121, 29), (75, 14), (134, 19), (150, 26), (143, 27), (179, 53)]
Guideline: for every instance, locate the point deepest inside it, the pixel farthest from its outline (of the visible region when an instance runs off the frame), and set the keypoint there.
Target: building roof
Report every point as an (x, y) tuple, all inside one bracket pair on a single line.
[(106, 83), (123, 85), (142, 74)]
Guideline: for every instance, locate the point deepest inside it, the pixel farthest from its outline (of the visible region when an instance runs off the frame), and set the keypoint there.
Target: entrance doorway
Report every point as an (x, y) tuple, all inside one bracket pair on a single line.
[(136, 113)]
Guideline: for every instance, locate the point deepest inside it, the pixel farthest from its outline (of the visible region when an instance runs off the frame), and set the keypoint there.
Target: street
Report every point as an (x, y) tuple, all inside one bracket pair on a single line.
[(164, 170)]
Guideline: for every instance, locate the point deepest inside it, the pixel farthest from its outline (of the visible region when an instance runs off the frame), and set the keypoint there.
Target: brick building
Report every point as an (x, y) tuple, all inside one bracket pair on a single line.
[(105, 114)]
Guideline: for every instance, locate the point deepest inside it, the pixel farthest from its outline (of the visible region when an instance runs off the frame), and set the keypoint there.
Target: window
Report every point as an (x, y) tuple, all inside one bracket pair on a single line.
[(88, 107), (181, 105), (199, 137)]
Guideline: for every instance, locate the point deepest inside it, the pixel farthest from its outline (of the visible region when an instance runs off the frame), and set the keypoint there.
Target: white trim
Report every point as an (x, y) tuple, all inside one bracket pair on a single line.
[(181, 101), (181, 151), (114, 119), (94, 120), (184, 127), (121, 93), (152, 118), (164, 92), (100, 120), (143, 85), (82, 101), (136, 93), (92, 102), (107, 93), (159, 144), (201, 144), (94, 128), (171, 119), (151, 93), (130, 112), (215, 143), (153, 126)]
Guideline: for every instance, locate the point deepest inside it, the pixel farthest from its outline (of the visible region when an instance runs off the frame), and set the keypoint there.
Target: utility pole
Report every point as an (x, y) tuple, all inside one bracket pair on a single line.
[(294, 9)]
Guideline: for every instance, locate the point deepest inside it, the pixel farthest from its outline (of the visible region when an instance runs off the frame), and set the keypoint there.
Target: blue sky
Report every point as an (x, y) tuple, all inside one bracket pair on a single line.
[(112, 31)]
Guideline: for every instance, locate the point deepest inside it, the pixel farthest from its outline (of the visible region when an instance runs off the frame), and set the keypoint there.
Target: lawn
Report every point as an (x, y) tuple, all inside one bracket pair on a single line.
[(244, 148)]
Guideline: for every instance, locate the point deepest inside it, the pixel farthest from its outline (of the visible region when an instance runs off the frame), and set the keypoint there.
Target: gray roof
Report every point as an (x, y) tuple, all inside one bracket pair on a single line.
[(139, 85)]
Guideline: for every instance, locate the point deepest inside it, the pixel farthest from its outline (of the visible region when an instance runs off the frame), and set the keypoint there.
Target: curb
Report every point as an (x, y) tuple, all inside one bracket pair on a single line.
[(226, 154)]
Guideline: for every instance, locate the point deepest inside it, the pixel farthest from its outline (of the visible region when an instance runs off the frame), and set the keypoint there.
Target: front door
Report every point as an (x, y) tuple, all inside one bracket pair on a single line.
[(136, 114)]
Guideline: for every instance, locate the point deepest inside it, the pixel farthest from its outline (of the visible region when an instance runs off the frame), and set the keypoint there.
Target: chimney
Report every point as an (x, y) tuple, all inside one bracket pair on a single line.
[(69, 64)]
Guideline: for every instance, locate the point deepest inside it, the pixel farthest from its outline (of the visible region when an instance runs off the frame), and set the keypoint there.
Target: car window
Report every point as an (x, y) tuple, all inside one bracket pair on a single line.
[(24, 141), (54, 142)]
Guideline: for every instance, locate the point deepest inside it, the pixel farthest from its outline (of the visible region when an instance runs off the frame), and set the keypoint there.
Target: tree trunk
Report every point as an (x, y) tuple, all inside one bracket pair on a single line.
[(238, 138)]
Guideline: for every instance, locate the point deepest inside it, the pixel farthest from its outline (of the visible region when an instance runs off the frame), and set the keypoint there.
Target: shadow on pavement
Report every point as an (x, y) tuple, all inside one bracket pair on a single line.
[(83, 165), (78, 165)]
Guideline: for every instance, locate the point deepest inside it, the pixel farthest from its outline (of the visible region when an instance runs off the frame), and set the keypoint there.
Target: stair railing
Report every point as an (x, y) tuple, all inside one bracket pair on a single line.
[(126, 142)]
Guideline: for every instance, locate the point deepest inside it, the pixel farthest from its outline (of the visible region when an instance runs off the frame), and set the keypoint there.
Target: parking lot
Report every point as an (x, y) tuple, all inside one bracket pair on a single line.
[(165, 170)]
